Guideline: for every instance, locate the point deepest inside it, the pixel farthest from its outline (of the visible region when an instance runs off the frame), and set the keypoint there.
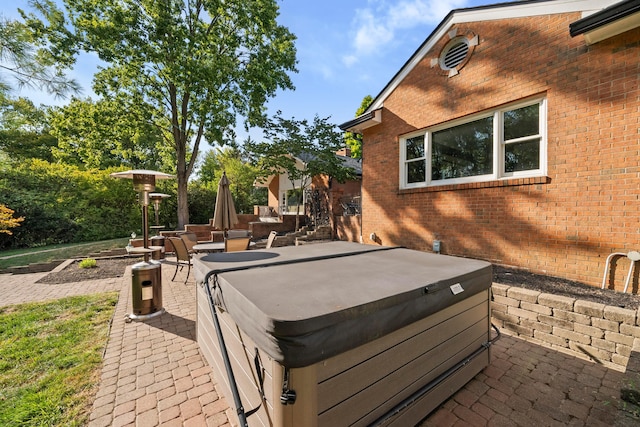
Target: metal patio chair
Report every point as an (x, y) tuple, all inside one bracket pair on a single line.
[(270, 239), (182, 256), (190, 240), (633, 256)]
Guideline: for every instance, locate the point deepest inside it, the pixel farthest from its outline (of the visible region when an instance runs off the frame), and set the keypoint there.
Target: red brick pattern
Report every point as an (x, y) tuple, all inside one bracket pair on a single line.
[(564, 224)]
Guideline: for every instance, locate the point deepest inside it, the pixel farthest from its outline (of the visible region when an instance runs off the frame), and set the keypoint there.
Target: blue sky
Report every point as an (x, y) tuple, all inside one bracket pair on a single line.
[(347, 49)]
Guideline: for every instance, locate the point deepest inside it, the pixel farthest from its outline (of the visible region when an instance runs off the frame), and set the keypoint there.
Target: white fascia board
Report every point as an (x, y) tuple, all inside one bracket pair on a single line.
[(489, 13)]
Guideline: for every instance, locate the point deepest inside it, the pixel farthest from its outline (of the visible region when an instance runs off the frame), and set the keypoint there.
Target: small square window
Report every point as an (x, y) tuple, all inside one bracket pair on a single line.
[(522, 156)]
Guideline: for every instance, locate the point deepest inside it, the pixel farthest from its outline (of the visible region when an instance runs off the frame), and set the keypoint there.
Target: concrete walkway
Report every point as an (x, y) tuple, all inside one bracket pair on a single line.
[(154, 373)]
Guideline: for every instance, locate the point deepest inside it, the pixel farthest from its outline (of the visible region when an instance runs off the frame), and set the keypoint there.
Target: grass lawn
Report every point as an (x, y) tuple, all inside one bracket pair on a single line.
[(17, 257), (50, 359)]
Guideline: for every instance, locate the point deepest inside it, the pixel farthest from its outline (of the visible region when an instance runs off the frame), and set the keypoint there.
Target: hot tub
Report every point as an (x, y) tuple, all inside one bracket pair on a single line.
[(340, 333)]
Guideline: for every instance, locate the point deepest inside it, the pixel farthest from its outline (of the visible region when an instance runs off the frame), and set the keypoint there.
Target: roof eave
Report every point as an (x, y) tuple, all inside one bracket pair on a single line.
[(363, 122), (614, 20)]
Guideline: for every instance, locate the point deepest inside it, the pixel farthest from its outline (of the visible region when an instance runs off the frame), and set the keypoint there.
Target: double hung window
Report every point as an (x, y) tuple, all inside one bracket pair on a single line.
[(509, 142)]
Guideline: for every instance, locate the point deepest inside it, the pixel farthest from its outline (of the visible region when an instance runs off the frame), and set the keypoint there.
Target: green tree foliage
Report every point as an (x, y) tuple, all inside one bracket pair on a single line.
[(28, 69), (61, 203), (190, 67), (101, 135), (354, 140), (289, 140), (240, 172), (202, 199), (24, 130)]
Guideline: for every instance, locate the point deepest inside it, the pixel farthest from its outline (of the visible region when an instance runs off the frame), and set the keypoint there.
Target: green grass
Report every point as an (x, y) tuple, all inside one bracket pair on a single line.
[(18, 257), (50, 359)]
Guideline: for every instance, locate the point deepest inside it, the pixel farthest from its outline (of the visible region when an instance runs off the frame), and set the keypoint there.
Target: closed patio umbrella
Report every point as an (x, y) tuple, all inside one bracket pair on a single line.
[(224, 216)]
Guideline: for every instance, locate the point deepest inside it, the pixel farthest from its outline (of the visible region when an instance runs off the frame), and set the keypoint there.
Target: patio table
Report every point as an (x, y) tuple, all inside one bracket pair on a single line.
[(209, 247), (213, 247)]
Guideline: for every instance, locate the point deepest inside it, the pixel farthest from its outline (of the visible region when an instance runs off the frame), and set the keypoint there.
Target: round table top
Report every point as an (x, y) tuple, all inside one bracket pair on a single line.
[(209, 247), (213, 246), (139, 250)]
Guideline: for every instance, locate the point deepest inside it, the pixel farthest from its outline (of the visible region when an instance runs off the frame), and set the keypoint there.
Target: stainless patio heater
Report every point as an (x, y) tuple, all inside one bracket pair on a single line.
[(146, 277), (157, 240), (156, 198)]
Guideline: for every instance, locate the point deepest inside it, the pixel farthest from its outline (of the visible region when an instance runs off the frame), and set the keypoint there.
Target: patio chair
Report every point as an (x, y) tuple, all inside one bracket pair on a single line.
[(182, 256), (190, 240), (633, 256), (236, 244), (270, 239), (237, 233)]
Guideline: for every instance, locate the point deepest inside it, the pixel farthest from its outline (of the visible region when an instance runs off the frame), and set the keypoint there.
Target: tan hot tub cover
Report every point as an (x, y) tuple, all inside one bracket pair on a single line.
[(301, 305)]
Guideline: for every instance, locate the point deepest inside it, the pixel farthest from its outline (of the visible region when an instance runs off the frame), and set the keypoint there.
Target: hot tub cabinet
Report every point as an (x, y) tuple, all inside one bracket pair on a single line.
[(341, 334)]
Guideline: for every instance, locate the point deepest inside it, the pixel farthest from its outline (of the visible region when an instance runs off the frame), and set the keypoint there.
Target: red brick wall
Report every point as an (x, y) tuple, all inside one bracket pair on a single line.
[(564, 224), (342, 229), (347, 227)]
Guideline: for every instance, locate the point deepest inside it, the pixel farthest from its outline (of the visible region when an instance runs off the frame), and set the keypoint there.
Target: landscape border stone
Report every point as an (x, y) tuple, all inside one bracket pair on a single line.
[(585, 329)]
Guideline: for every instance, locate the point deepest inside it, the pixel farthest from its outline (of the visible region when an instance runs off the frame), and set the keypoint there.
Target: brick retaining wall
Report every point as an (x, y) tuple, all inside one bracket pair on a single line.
[(588, 330)]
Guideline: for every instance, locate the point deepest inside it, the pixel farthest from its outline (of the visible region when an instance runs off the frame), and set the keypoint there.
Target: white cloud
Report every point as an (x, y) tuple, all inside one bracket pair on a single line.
[(349, 60), (377, 26), (371, 32)]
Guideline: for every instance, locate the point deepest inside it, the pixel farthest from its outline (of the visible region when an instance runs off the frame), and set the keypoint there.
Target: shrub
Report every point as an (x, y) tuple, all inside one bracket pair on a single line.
[(88, 263)]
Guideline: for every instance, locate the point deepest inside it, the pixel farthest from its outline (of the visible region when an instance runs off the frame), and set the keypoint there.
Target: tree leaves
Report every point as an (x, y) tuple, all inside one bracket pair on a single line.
[(28, 67), (191, 68), (301, 150)]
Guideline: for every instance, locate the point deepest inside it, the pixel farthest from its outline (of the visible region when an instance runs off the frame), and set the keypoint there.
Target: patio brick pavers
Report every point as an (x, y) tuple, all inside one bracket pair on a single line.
[(154, 373)]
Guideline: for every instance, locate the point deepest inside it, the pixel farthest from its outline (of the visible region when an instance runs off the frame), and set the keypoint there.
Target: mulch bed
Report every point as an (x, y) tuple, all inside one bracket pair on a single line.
[(557, 286), (106, 268)]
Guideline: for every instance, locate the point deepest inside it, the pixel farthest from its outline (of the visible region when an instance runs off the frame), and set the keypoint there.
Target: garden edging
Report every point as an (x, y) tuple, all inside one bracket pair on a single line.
[(604, 334)]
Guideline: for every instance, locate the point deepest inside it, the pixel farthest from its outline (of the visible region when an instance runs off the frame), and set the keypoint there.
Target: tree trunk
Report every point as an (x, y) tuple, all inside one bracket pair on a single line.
[(182, 174), (183, 205)]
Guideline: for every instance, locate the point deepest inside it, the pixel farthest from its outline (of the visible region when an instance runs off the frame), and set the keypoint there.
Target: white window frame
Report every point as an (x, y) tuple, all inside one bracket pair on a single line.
[(499, 145)]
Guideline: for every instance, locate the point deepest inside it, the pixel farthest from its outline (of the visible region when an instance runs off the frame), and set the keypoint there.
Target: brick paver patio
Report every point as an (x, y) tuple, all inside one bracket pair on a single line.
[(154, 373)]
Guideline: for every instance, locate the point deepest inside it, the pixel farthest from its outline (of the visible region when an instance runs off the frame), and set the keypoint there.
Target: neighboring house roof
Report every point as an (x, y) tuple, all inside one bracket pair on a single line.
[(353, 164), (511, 10), (609, 22), (349, 162)]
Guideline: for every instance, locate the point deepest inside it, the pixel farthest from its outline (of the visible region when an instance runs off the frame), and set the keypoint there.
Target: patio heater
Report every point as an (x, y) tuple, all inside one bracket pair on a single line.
[(158, 240), (156, 198), (146, 277)]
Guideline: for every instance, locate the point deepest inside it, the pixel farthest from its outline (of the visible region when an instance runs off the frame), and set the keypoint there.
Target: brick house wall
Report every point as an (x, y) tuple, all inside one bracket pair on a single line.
[(345, 228), (273, 200), (564, 224)]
